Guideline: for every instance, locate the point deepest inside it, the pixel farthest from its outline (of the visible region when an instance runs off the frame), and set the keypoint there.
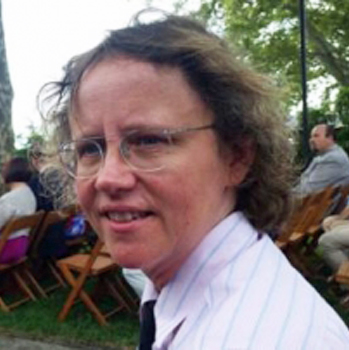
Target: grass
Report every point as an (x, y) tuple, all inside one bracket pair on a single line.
[(38, 320)]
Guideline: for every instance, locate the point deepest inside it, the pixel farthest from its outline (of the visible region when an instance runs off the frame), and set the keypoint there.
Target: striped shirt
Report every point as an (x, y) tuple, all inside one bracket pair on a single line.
[(237, 291)]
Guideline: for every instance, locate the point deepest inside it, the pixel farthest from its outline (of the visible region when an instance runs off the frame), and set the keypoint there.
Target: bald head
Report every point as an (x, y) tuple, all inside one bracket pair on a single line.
[(321, 138)]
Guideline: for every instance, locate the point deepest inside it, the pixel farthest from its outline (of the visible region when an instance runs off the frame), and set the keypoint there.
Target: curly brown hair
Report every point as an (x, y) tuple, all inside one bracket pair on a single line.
[(245, 104)]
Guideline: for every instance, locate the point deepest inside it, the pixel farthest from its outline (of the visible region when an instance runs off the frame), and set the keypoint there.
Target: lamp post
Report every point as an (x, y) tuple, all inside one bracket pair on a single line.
[(303, 59)]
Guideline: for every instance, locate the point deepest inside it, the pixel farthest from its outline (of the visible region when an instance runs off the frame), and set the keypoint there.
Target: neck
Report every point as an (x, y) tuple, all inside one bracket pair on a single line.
[(14, 185)]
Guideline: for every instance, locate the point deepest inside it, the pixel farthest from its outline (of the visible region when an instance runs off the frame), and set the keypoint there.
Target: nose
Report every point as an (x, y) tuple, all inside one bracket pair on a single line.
[(115, 175)]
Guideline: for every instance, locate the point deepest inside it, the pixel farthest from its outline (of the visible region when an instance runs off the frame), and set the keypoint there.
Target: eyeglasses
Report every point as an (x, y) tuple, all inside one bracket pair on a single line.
[(146, 150)]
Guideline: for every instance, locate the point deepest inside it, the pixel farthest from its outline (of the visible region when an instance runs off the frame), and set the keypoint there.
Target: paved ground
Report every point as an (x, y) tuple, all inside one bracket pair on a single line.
[(12, 343)]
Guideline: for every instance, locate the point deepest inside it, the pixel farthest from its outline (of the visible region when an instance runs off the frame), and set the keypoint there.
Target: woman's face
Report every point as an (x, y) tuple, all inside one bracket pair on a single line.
[(151, 220)]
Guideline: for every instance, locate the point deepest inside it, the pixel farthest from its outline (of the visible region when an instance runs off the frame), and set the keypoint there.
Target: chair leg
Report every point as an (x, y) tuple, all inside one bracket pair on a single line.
[(120, 293), (82, 294), (122, 284), (23, 285), (35, 283), (93, 308), (3, 306), (56, 275)]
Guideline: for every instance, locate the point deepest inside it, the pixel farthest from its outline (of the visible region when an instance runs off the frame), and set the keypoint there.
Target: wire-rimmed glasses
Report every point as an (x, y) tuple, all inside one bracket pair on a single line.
[(146, 150)]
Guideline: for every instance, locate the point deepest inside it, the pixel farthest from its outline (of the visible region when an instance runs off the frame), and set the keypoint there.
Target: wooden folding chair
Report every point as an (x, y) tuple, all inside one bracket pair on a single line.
[(48, 263), (307, 215), (78, 268), (299, 229), (51, 217), (342, 275), (130, 296), (19, 270)]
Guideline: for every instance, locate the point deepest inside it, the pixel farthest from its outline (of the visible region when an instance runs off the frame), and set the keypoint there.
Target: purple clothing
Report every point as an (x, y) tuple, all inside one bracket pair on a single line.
[(14, 249)]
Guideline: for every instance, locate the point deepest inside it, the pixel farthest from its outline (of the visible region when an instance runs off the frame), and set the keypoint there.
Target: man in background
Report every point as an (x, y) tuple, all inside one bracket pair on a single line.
[(330, 166)]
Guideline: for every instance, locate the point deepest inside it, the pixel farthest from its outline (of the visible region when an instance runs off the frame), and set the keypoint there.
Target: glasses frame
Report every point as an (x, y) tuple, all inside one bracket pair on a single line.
[(123, 147)]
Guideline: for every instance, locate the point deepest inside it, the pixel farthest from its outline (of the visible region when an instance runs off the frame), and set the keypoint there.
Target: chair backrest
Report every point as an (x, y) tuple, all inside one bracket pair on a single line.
[(308, 212), (31, 222), (341, 200), (85, 271), (50, 218)]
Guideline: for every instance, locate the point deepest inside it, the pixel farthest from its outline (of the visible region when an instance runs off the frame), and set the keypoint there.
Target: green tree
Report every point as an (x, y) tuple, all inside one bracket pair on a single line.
[(35, 137), (268, 32)]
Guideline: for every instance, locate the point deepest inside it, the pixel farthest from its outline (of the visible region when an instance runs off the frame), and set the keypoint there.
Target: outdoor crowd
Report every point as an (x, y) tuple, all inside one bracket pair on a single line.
[(32, 186), (180, 160)]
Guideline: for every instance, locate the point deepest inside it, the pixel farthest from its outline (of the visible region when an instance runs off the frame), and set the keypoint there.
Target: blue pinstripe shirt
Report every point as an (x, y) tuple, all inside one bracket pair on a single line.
[(238, 292)]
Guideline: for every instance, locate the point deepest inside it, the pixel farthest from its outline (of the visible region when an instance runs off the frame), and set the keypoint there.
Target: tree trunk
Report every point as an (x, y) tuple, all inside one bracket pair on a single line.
[(327, 54), (6, 96)]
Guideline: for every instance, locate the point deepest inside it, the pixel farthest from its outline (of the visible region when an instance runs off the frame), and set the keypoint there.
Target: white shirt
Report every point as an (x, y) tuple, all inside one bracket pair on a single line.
[(16, 203), (237, 291)]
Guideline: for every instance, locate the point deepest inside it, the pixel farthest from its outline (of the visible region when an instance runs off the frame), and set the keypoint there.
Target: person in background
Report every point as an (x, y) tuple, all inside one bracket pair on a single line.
[(335, 241), (330, 166), (45, 181), (180, 160), (18, 201)]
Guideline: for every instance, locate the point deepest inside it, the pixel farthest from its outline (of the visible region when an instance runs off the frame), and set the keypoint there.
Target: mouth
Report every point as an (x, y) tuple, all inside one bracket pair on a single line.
[(127, 216)]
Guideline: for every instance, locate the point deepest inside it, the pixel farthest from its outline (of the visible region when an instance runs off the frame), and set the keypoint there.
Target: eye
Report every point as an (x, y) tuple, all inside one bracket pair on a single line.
[(148, 140), (88, 148)]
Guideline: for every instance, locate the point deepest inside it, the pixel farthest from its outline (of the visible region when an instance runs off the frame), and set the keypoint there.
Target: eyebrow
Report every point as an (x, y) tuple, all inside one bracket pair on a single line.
[(88, 137), (131, 129)]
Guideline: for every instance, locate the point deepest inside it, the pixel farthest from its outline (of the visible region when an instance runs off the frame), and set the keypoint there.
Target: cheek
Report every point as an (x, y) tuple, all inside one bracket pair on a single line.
[(173, 195), (83, 193), (86, 197), (180, 196)]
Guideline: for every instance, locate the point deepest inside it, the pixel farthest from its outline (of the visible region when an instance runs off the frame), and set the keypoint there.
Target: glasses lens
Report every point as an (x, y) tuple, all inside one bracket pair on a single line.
[(147, 150), (81, 158)]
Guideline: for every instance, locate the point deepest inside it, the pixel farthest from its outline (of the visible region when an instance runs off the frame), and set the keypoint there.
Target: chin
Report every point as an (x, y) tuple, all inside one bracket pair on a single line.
[(129, 258)]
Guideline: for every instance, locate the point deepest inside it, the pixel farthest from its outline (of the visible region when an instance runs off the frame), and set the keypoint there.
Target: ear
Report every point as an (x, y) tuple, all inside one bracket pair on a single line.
[(241, 161)]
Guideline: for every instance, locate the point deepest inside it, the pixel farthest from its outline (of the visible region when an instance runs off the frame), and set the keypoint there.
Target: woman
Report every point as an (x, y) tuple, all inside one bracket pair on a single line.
[(18, 201), (181, 162)]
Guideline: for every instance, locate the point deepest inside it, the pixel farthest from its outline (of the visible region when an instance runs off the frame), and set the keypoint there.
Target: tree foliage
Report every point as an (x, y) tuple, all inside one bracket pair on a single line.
[(35, 137), (268, 35), (268, 32)]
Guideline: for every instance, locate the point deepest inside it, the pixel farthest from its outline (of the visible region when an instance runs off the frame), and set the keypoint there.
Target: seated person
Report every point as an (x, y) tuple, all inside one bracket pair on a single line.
[(335, 241), (18, 201), (45, 182), (329, 167), (47, 186)]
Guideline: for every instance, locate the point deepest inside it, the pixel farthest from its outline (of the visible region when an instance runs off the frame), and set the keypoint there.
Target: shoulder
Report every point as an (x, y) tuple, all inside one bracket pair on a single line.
[(282, 309), (24, 200), (24, 191), (336, 153)]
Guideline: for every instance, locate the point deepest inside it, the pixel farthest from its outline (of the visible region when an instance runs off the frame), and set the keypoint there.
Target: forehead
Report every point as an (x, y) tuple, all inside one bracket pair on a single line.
[(319, 130), (130, 91)]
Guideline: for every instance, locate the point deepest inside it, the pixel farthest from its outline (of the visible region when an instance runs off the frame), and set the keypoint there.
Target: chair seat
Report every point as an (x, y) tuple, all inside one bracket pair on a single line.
[(78, 261), (18, 272), (13, 264)]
